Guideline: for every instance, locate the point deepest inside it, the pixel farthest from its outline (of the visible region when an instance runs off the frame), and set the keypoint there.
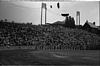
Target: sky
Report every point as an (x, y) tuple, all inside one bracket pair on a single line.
[(30, 11)]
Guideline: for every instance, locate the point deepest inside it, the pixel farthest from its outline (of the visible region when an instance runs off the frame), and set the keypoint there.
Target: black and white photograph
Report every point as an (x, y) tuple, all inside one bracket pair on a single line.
[(50, 32)]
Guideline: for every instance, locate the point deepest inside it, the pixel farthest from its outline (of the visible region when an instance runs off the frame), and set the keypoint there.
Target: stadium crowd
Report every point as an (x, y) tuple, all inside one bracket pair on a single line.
[(46, 36)]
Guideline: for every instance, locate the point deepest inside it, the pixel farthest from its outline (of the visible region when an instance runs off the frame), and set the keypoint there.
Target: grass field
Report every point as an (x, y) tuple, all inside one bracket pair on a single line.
[(49, 57)]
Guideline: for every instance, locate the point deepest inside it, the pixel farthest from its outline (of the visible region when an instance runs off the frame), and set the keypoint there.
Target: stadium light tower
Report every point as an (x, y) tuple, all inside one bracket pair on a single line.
[(43, 6), (78, 18), (99, 13)]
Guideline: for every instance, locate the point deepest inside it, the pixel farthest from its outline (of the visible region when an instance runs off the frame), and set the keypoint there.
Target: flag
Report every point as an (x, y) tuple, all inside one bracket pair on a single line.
[(50, 6), (58, 5), (44, 5)]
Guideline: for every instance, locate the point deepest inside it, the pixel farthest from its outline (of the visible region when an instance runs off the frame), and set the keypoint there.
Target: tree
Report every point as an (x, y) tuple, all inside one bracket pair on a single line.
[(6, 20), (70, 22)]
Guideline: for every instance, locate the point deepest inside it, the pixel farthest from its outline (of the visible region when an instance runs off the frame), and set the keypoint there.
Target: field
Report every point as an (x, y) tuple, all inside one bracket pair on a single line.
[(49, 57)]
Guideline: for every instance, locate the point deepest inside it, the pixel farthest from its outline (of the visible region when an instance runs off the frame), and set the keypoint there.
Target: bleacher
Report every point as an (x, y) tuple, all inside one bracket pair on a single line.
[(46, 36)]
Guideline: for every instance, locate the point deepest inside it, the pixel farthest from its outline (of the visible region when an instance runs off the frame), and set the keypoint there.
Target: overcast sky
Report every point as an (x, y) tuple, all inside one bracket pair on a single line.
[(31, 11)]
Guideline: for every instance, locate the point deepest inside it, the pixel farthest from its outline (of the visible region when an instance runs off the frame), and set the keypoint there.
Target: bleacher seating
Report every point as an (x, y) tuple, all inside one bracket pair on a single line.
[(47, 36)]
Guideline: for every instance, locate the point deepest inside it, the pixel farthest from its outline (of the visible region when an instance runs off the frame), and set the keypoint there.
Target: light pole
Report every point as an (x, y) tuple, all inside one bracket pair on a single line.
[(43, 6), (78, 17), (99, 13)]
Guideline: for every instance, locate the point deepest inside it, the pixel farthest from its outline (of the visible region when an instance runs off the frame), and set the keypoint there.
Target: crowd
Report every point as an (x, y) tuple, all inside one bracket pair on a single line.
[(46, 36)]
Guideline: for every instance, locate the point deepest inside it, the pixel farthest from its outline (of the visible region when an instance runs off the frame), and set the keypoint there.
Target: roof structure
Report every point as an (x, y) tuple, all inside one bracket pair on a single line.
[(91, 25), (59, 22)]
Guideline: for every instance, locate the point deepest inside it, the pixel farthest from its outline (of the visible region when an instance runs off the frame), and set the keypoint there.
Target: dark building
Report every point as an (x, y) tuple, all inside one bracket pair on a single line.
[(91, 27)]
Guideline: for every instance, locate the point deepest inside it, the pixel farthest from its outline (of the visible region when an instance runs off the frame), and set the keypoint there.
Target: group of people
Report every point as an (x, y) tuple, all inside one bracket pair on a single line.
[(46, 36)]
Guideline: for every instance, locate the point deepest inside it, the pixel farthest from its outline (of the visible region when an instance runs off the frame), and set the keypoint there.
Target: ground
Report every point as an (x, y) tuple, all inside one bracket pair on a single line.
[(49, 57)]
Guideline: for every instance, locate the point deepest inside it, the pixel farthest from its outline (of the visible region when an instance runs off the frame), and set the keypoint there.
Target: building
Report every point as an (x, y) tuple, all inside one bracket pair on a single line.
[(91, 27)]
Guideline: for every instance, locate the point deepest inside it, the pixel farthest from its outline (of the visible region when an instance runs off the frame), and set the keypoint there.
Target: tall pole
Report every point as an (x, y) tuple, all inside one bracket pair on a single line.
[(99, 13), (45, 14), (41, 13), (78, 17), (43, 6)]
